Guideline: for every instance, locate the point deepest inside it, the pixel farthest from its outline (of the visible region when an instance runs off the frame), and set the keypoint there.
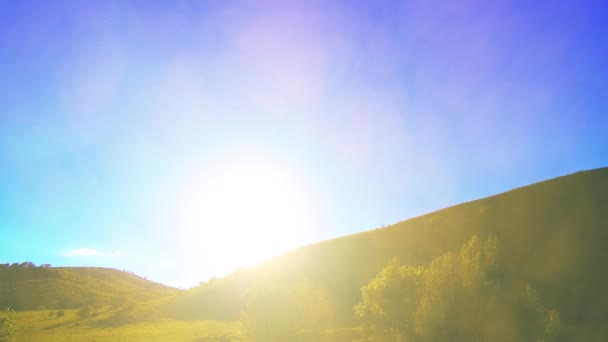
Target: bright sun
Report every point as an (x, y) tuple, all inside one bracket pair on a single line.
[(244, 210)]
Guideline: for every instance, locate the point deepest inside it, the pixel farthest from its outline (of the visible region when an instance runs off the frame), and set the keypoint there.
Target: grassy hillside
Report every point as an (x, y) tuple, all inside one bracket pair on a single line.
[(553, 235), (27, 287), (43, 326)]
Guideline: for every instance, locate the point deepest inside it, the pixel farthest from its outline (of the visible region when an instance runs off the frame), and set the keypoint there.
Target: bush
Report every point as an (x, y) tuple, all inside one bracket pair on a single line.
[(59, 314), (390, 301), (8, 329)]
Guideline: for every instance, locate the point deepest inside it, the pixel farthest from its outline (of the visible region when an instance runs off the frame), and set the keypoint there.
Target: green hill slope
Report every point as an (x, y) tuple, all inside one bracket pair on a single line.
[(26, 287), (553, 234)]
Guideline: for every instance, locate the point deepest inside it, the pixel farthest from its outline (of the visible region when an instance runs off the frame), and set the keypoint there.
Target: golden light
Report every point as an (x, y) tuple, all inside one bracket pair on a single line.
[(242, 210)]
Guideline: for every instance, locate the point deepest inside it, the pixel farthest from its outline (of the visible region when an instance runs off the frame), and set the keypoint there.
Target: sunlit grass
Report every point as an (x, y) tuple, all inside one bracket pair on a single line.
[(44, 326), (41, 326)]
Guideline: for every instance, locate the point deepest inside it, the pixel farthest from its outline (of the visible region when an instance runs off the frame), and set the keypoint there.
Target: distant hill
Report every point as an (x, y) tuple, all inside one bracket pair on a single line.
[(553, 234), (27, 287)]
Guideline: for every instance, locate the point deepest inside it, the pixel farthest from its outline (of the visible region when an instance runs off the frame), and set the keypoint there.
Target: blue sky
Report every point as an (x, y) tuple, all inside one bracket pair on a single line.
[(168, 138)]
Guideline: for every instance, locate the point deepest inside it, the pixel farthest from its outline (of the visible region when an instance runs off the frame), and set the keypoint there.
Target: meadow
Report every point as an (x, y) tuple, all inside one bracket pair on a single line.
[(43, 325)]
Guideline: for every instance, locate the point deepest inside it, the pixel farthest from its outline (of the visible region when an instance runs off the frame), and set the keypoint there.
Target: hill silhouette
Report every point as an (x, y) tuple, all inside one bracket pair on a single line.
[(553, 235), (27, 287)]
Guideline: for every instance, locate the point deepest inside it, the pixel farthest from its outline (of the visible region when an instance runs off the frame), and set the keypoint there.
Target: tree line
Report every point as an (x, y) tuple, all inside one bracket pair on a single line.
[(458, 296)]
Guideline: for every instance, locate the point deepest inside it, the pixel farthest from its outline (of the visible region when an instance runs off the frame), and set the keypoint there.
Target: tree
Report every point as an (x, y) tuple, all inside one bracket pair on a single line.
[(389, 302), (8, 329), (456, 293), (458, 297)]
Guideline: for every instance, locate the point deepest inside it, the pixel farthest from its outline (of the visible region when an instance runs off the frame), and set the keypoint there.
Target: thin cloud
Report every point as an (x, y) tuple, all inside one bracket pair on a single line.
[(84, 252)]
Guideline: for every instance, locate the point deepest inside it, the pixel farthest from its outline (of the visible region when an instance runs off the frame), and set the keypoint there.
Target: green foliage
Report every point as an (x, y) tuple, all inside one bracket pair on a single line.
[(552, 325), (300, 312), (456, 298), (8, 330), (390, 300), (457, 293)]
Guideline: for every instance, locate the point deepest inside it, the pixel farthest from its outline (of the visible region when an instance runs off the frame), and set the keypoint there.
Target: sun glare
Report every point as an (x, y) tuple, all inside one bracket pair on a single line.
[(244, 210)]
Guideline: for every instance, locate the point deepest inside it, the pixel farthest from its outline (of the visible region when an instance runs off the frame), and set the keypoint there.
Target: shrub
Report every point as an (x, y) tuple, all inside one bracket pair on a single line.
[(8, 329)]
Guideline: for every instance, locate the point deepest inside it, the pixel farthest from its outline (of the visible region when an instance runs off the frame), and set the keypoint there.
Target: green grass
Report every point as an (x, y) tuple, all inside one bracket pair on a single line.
[(36, 288), (38, 326)]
